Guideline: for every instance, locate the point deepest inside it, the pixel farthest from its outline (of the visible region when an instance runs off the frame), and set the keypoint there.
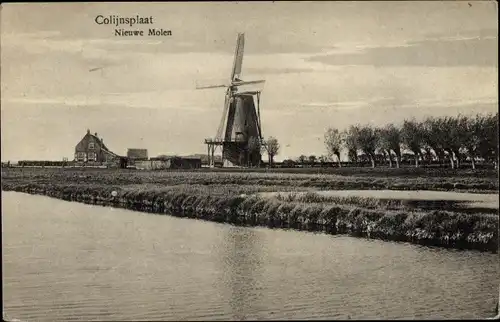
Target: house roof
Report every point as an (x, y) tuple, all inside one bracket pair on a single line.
[(104, 148), (111, 153)]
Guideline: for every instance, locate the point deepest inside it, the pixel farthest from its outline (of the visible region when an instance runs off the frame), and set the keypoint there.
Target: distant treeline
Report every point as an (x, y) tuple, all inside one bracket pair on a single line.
[(363, 161), (435, 140)]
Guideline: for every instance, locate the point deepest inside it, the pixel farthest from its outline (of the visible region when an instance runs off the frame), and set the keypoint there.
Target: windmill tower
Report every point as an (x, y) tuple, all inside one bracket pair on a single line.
[(239, 132)]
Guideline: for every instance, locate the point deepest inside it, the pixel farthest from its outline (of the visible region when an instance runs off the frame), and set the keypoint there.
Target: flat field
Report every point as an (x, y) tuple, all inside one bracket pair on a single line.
[(480, 181)]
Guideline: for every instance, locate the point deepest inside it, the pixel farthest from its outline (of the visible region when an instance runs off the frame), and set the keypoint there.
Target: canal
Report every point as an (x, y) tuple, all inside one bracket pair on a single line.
[(70, 261)]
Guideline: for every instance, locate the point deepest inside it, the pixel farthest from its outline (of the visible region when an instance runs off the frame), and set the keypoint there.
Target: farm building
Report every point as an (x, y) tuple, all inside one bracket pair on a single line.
[(91, 150), (169, 163), (185, 162), (137, 154), (152, 164)]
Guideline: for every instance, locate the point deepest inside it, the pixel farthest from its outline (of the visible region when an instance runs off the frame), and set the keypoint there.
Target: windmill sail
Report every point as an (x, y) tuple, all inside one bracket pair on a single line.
[(223, 121), (239, 83), (210, 86), (238, 57)]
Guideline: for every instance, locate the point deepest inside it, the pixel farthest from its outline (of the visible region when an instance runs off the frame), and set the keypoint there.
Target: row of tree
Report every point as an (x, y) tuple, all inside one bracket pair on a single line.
[(441, 139)]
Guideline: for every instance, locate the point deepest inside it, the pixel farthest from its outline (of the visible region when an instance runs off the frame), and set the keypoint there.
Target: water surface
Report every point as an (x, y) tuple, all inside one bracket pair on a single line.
[(70, 261)]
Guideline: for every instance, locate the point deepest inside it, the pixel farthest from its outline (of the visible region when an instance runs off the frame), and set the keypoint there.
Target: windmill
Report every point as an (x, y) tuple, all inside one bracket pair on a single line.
[(239, 132)]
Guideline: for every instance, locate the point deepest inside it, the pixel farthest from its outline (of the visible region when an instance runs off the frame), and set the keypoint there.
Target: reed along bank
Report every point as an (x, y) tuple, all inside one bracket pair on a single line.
[(225, 198)]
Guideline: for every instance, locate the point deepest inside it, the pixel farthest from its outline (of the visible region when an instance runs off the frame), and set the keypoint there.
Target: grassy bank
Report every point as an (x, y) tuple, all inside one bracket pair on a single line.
[(237, 204), (387, 203)]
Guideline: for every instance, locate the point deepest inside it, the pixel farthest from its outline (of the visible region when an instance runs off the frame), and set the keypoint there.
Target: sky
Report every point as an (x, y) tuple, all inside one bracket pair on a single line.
[(326, 64)]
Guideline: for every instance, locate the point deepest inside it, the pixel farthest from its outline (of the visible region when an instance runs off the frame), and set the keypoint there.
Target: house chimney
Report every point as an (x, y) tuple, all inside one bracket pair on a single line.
[(88, 131), (95, 133)]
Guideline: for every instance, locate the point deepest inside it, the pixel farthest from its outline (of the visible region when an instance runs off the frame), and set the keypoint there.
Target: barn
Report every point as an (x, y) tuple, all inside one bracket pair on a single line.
[(137, 154), (174, 162)]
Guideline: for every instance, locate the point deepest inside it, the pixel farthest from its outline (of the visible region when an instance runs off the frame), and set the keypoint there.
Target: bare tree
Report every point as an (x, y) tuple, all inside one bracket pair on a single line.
[(433, 138), (452, 133), (390, 141), (383, 146), (492, 134), (488, 145), (367, 141), (456, 130), (273, 148), (254, 150), (349, 139), (474, 136), (393, 138), (412, 137), (333, 142)]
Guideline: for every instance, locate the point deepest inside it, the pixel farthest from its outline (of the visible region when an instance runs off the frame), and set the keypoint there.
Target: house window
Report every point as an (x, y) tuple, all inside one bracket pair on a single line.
[(92, 156), (80, 156), (91, 145)]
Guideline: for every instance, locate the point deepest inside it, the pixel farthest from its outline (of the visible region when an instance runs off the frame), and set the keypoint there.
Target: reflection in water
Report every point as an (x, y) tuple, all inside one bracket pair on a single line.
[(241, 267), (65, 261)]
